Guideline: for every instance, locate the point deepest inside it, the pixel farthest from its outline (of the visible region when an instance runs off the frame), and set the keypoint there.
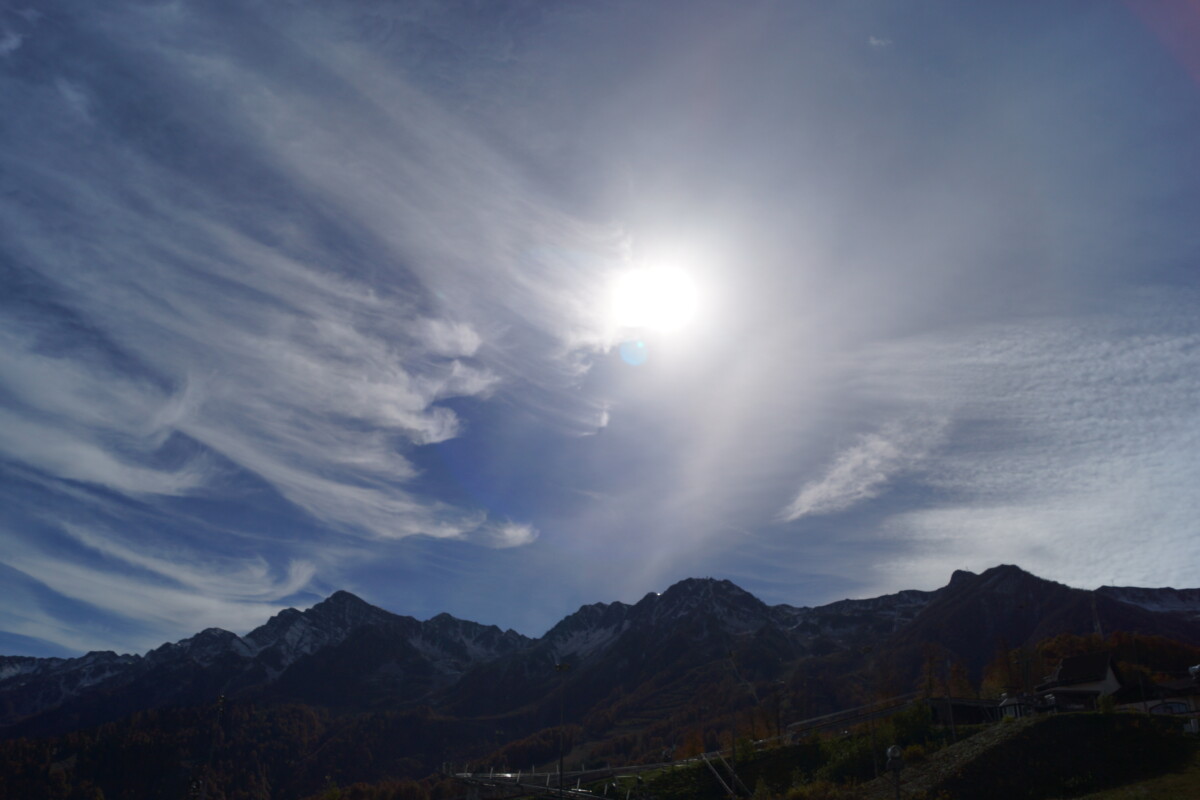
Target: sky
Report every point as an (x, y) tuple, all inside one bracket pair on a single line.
[(498, 309)]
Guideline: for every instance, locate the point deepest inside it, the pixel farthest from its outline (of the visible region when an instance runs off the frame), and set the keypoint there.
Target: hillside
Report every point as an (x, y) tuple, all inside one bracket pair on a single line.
[(351, 692), (1041, 758), (1173, 785), (1045, 757)]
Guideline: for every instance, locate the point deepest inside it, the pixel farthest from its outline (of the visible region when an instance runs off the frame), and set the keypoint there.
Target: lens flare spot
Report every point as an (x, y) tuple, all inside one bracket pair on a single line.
[(634, 353)]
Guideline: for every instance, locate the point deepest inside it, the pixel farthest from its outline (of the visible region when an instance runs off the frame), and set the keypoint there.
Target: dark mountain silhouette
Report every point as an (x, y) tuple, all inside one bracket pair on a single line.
[(698, 660), (1007, 607), (1181, 602), (342, 652)]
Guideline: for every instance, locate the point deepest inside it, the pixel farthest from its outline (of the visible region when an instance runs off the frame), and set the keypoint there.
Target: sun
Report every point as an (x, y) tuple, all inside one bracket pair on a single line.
[(661, 299)]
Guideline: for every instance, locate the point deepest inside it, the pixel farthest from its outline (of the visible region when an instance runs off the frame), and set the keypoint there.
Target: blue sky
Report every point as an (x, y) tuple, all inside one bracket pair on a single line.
[(300, 297)]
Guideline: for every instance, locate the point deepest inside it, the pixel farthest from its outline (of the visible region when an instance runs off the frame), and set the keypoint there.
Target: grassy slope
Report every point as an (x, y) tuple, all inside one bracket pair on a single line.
[(1173, 786), (1048, 757), (921, 777)]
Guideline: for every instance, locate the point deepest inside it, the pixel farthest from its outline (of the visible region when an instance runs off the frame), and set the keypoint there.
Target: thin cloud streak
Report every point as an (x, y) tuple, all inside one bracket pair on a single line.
[(267, 350), (1074, 443), (512, 534), (158, 608), (242, 579), (863, 470)]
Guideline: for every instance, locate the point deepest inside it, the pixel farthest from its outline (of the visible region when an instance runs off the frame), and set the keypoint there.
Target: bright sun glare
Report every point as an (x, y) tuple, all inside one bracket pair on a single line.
[(660, 299)]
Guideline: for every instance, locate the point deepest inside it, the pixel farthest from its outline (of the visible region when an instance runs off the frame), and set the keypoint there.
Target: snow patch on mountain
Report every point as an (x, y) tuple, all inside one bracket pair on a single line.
[(15, 666), (1185, 602), (584, 642)]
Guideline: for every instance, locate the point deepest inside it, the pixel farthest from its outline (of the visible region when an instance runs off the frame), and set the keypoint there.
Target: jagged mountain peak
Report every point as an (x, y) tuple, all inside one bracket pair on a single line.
[(445, 623), (1008, 570), (212, 638), (960, 576), (283, 616), (343, 597), (291, 633), (723, 603), (202, 648), (344, 602), (1002, 578), (343, 610), (213, 635), (709, 587), (592, 614), (691, 592)]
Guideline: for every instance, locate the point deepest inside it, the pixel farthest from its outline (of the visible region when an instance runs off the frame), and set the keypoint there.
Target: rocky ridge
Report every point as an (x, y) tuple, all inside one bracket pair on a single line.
[(346, 653)]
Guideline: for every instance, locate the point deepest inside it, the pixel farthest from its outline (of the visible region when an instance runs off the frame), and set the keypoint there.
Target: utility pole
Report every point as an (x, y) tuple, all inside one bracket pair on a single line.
[(895, 763), (733, 731), (733, 739), (874, 751), (562, 669)]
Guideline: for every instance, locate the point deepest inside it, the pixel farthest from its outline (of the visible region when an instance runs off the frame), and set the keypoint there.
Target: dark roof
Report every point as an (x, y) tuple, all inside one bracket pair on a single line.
[(1079, 669)]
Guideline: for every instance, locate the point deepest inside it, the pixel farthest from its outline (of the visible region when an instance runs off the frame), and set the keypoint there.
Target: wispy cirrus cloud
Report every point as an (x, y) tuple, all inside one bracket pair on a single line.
[(232, 270), (863, 470), (141, 587), (93, 570), (1073, 443), (511, 534), (157, 608), (9, 42), (215, 575), (311, 361)]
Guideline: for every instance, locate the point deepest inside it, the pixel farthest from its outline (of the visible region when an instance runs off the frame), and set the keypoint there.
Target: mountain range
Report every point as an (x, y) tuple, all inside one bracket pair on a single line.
[(638, 673)]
